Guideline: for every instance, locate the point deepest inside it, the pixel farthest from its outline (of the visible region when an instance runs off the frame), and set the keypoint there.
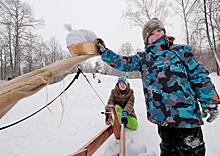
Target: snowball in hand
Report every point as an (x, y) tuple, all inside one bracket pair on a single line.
[(78, 36)]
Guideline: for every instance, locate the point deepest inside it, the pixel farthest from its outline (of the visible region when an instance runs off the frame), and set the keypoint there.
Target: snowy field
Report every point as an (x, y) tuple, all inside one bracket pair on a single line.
[(75, 118)]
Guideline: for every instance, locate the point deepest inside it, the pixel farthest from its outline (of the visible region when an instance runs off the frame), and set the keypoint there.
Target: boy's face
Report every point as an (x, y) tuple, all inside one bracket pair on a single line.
[(155, 35), (122, 85)]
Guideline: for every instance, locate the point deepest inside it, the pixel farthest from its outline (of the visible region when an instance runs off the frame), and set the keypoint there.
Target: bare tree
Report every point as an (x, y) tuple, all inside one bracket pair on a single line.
[(6, 32), (208, 14), (205, 28), (213, 28), (54, 49), (2, 61), (140, 11), (126, 49), (30, 52), (42, 50), (216, 15), (184, 8), (21, 20)]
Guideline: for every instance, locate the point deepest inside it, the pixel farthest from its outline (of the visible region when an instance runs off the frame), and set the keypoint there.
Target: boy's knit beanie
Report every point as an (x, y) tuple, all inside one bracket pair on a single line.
[(123, 79), (150, 26)]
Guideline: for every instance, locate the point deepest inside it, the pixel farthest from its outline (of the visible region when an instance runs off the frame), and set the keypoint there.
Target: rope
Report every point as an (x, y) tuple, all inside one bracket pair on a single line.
[(15, 123), (91, 86)]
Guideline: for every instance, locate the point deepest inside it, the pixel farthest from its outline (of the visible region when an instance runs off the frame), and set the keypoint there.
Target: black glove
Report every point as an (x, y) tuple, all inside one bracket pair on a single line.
[(101, 46), (212, 110), (124, 118)]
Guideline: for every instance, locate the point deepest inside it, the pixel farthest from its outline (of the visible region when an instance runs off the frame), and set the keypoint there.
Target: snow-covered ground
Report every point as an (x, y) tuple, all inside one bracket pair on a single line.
[(2, 81), (75, 118)]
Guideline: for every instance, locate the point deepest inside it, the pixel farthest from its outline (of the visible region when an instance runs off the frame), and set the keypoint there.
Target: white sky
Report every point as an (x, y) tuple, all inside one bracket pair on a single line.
[(103, 17)]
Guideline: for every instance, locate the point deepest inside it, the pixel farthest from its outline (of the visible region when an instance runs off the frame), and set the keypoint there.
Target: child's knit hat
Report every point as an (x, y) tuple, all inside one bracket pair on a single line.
[(123, 80), (150, 26)]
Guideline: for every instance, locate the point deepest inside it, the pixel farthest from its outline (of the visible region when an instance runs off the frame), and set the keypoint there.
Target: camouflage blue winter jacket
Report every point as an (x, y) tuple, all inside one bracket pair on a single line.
[(173, 82)]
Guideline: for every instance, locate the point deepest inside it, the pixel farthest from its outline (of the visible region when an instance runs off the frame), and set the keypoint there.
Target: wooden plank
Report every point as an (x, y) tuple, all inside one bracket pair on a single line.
[(122, 141), (82, 152), (116, 126), (96, 142)]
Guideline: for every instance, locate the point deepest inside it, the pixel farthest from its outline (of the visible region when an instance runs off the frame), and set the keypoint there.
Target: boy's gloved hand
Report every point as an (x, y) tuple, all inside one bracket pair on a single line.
[(124, 118), (100, 45), (108, 115), (212, 110), (109, 119)]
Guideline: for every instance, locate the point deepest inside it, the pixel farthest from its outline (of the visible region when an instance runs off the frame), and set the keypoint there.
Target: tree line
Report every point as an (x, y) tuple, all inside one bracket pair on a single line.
[(21, 49)]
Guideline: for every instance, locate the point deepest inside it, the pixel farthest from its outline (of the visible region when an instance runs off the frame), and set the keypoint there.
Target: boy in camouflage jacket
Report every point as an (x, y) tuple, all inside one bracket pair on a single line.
[(177, 89)]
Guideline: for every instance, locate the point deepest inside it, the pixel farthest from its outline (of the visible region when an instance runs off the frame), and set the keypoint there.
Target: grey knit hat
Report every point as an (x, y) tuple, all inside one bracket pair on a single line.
[(150, 26)]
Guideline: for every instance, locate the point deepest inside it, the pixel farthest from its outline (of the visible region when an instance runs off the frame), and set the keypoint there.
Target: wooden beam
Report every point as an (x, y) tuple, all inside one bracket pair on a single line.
[(82, 152), (122, 141), (95, 143), (116, 126)]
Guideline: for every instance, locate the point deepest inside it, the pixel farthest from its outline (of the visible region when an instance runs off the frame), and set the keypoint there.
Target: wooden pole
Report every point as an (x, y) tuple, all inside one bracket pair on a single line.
[(116, 126), (122, 141)]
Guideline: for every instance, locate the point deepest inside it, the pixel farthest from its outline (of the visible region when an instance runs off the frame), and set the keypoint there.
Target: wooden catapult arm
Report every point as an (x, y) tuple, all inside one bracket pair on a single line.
[(118, 130)]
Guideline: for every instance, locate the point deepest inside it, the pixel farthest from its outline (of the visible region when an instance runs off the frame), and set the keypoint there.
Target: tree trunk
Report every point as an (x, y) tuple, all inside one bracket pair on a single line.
[(1, 59), (5, 67), (207, 27), (10, 52), (214, 40), (185, 23), (17, 52)]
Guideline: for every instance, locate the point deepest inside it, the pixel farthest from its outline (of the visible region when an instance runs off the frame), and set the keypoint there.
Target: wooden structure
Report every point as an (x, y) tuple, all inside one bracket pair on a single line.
[(30, 83), (92, 146), (122, 141)]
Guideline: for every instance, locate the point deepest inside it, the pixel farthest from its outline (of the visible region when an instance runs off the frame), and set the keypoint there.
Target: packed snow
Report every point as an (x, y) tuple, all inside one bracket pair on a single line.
[(75, 118)]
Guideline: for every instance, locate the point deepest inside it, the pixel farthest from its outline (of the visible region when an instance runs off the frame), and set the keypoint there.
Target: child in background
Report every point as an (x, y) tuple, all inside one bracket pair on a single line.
[(122, 97)]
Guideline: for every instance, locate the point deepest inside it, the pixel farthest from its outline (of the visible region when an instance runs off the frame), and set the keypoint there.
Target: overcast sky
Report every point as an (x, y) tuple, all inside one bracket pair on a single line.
[(103, 17)]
